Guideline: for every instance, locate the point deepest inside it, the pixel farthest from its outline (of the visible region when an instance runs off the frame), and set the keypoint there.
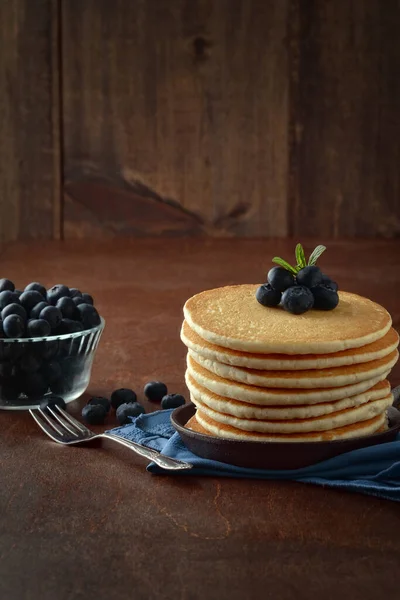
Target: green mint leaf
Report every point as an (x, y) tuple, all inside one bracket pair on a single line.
[(315, 254), (300, 256), (284, 264)]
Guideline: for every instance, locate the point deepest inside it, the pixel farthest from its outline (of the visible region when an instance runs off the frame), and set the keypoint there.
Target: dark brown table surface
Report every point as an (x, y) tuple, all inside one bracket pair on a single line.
[(92, 523)]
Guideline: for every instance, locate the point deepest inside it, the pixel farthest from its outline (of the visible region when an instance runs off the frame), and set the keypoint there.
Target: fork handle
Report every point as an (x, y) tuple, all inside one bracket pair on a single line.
[(160, 459)]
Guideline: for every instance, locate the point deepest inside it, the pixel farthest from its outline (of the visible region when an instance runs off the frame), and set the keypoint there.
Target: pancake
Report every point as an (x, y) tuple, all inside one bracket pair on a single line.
[(221, 430), (244, 410), (321, 378), (231, 317), (342, 418), (283, 362), (275, 396), (194, 425)]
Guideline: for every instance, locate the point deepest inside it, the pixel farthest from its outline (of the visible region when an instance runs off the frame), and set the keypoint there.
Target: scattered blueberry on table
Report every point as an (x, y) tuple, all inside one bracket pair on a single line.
[(155, 391), (102, 401), (51, 402), (94, 414), (122, 396), (124, 402), (172, 401), (127, 410), (298, 288)]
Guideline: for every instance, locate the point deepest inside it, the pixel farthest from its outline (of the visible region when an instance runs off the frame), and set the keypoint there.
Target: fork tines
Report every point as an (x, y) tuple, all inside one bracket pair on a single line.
[(59, 425)]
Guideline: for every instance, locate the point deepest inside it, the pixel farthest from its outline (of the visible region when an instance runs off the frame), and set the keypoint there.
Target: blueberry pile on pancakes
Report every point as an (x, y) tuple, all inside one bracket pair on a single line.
[(299, 288), (259, 373)]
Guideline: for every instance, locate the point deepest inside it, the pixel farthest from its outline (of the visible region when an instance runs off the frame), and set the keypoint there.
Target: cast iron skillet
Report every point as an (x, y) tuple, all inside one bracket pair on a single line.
[(276, 455)]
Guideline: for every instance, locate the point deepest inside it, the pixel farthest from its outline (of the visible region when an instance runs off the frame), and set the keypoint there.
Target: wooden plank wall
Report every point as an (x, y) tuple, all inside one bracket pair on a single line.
[(173, 101), (29, 120), (345, 153), (215, 117)]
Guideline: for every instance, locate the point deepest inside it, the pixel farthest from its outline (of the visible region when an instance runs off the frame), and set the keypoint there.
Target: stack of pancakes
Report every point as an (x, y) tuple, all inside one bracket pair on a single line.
[(263, 374)]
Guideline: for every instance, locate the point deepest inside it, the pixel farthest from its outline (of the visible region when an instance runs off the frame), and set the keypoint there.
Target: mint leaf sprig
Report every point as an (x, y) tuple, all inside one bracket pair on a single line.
[(301, 260)]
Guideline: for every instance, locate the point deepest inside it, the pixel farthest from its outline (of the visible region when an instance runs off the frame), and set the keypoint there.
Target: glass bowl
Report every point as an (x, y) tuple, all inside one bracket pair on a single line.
[(31, 368)]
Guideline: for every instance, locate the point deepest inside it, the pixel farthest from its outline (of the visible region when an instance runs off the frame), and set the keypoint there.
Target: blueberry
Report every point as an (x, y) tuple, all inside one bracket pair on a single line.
[(61, 386), (75, 293), (325, 298), (72, 366), (267, 296), (34, 385), (88, 299), (280, 279), (57, 292), (122, 396), (10, 389), (29, 363), (329, 283), (309, 276), (297, 299), (38, 328), (127, 410), (102, 401), (30, 299), (14, 309), (37, 309), (51, 402), (155, 391), (37, 287), (172, 401), (47, 349), (51, 371), (6, 284), (68, 326), (88, 315), (2, 334), (67, 307), (14, 326), (11, 351), (18, 292), (8, 297), (52, 315), (94, 414), (78, 300), (6, 369)]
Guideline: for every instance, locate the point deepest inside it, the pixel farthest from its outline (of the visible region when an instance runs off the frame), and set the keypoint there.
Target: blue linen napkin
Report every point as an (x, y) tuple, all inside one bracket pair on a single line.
[(374, 470)]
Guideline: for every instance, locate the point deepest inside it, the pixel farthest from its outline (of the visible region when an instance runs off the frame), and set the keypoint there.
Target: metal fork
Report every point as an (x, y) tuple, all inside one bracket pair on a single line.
[(64, 429)]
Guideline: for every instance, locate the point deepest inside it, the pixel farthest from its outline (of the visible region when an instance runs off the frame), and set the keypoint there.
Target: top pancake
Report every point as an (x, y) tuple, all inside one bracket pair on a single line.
[(231, 317), (282, 362)]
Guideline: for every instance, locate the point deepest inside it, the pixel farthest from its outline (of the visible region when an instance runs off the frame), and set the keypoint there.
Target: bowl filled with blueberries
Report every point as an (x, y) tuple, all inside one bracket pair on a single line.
[(48, 339)]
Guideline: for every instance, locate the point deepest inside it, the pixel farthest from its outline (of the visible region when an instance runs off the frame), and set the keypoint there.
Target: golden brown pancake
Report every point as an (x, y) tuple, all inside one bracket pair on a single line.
[(274, 396), (245, 410), (336, 420), (284, 362), (350, 431), (321, 378), (231, 317)]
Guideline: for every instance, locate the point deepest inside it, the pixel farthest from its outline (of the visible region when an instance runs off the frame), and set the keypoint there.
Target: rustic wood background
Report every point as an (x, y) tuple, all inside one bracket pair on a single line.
[(219, 117)]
